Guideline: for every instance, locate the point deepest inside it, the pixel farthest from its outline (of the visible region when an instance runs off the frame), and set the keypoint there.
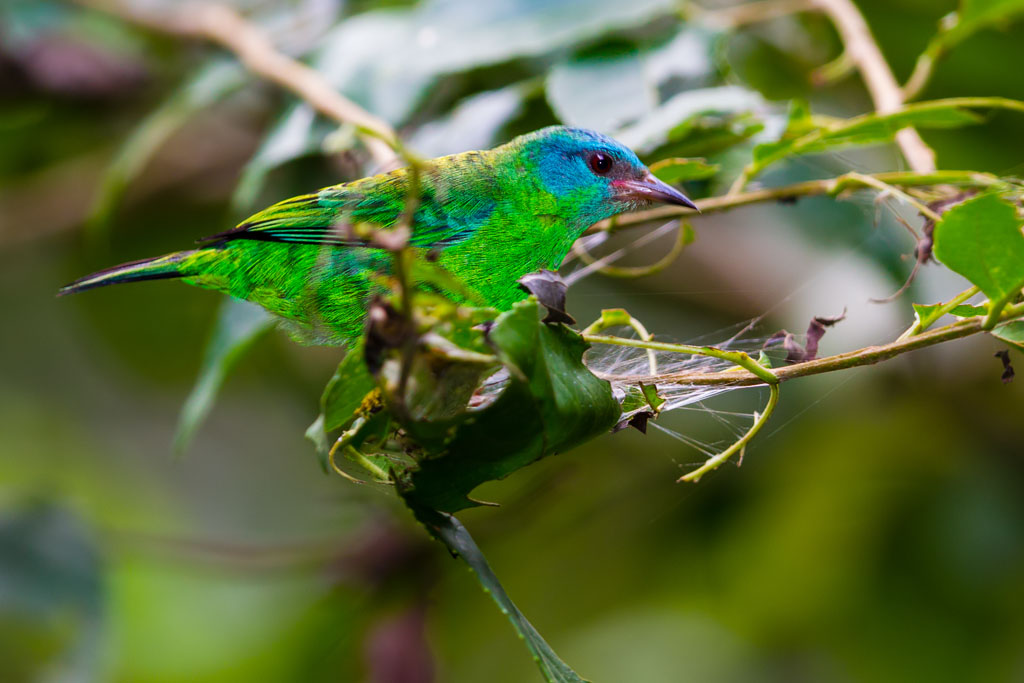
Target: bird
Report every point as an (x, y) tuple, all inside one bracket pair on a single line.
[(487, 217)]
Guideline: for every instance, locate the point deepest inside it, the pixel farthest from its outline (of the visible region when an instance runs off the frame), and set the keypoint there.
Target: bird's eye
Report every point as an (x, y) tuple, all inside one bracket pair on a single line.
[(600, 163)]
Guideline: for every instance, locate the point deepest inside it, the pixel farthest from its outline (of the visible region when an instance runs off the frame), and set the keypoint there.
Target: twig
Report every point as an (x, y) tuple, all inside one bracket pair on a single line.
[(223, 25), (863, 51), (851, 359), (829, 186), (718, 460)]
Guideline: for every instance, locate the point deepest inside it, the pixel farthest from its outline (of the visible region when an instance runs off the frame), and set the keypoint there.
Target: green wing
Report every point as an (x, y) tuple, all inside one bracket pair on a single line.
[(447, 213)]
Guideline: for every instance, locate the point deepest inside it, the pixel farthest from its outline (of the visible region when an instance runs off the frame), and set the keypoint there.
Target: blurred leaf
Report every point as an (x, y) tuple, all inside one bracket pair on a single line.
[(552, 403), (472, 124), (981, 239), (1012, 333), (440, 37), (600, 92), (805, 134), (210, 84), (298, 132), (971, 17), (676, 170), (607, 91), (239, 324), (682, 114), (447, 529), (51, 596)]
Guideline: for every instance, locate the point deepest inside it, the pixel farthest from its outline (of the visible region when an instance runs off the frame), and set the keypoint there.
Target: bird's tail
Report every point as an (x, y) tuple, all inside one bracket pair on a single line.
[(159, 268)]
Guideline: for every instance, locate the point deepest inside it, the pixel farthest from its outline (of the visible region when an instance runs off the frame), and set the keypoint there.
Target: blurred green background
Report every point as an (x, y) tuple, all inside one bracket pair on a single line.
[(874, 533)]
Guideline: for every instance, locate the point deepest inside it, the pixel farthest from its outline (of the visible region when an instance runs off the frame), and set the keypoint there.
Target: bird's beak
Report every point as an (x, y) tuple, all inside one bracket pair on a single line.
[(650, 189)]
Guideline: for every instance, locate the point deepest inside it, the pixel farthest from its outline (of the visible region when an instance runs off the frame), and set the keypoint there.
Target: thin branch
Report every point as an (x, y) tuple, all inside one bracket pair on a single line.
[(717, 461), (851, 359), (827, 186), (863, 51), (223, 25)]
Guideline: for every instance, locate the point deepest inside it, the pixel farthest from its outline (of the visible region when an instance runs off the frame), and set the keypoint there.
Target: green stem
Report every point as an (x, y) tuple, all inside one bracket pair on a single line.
[(924, 323), (826, 186), (738, 357), (717, 461)]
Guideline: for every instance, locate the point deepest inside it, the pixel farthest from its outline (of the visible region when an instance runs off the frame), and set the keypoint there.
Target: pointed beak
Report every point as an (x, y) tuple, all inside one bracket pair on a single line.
[(650, 189)]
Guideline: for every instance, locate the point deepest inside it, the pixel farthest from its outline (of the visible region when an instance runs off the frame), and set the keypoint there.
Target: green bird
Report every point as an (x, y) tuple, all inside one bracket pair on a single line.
[(488, 217)]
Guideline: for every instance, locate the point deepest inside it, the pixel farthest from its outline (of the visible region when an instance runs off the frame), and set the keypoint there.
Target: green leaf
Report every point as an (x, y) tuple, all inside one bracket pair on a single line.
[(971, 17), (239, 324), (342, 398), (447, 529), (805, 134), (967, 311), (472, 124), (552, 403), (676, 170), (210, 84), (1012, 333), (981, 239), (707, 110)]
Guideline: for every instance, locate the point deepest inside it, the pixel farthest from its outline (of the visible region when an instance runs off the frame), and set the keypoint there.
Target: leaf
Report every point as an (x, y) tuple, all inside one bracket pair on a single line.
[(344, 394), (967, 311), (1012, 333), (805, 134), (297, 133), (447, 529), (549, 288), (981, 239), (675, 119), (604, 90), (211, 83), (473, 124), (552, 402), (971, 17), (599, 92), (386, 60), (675, 170), (239, 324)]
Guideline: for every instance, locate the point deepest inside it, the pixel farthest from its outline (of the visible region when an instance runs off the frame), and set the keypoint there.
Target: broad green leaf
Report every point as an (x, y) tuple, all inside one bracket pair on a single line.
[(210, 84), (967, 311), (386, 60), (686, 112), (601, 93), (981, 239), (809, 135), (676, 170), (552, 402), (1012, 333), (605, 91), (472, 124), (971, 17), (447, 529), (297, 133), (342, 397), (238, 325)]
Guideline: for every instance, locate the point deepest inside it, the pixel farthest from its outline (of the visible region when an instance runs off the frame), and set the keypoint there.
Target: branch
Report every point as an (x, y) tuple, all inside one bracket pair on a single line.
[(223, 25), (827, 186), (863, 51), (851, 359)]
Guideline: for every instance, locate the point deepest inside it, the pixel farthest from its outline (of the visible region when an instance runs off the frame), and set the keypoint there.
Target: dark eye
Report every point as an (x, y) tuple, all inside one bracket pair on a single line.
[(600, 163)]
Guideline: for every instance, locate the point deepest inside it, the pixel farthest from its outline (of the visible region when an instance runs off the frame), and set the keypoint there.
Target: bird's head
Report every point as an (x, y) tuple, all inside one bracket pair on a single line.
[(592, 176)]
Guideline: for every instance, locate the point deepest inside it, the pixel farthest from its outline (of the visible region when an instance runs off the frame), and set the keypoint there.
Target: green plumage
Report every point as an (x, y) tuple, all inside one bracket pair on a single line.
[(489, 217)]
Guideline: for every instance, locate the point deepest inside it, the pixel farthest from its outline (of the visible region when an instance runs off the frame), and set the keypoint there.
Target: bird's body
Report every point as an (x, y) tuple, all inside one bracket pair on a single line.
[(488, 217)]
